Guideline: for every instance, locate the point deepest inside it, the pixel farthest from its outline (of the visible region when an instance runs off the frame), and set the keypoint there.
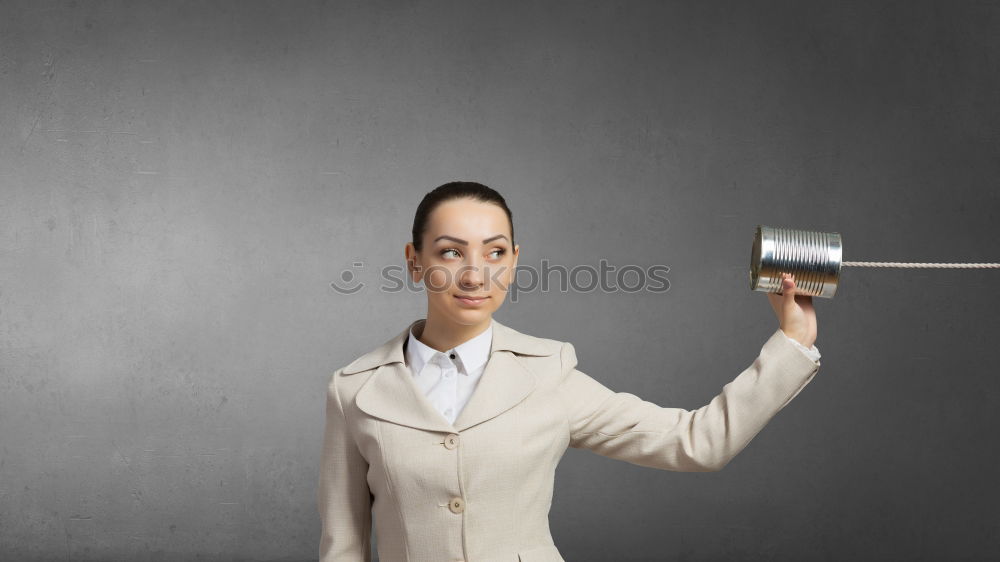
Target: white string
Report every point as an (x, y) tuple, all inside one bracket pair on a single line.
[(921, 265)]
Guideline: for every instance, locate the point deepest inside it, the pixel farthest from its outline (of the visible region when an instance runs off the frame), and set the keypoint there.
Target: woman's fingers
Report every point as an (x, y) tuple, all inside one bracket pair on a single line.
[(778, 302), (795, 313)]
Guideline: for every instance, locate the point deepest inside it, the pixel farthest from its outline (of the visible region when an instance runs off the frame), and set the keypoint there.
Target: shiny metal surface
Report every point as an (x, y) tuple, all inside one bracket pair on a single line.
[(814, 258)]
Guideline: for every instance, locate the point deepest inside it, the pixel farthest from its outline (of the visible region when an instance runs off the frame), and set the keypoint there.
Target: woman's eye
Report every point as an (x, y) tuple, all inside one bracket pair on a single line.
[(444, 253)]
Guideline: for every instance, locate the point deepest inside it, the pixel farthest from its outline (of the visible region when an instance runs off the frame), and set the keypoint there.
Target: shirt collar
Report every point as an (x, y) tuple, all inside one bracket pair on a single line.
[(472, 353)]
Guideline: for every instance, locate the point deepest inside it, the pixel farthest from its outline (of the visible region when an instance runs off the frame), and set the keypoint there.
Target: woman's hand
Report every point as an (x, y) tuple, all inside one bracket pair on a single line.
[(796, 315)]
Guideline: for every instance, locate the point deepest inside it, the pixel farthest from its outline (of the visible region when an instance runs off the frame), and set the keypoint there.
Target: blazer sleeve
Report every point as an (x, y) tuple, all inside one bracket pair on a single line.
[(623, 426), (344, 499)]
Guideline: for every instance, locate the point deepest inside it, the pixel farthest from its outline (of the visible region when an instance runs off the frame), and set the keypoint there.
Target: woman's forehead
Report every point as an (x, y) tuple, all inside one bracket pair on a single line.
[(466, 219)]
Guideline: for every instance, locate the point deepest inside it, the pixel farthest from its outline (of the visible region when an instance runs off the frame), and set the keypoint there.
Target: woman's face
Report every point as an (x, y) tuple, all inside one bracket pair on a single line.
[(466, 252)]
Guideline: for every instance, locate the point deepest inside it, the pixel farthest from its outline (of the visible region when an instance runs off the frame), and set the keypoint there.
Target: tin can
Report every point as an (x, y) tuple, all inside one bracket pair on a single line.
[(813, 258)]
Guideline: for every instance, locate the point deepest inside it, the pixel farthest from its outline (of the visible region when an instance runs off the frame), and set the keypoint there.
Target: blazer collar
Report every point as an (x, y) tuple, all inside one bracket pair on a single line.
[(504, 339), (391, 394)]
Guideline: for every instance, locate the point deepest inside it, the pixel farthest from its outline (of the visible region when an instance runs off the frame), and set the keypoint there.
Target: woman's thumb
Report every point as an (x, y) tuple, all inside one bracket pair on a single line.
[(787, 288)]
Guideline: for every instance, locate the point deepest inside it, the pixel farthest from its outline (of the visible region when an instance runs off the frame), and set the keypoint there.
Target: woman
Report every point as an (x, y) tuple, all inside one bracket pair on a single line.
[(451, 431)]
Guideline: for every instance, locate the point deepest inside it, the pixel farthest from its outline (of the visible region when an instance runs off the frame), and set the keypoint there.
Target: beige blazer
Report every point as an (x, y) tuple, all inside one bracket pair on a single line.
[(480, 490)]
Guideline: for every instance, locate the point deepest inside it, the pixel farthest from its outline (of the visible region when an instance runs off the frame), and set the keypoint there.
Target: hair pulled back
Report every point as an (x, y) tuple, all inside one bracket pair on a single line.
[(455, 190)]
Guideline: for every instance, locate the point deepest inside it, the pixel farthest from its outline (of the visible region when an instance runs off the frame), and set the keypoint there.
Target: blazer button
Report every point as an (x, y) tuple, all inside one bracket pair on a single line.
[(457, 505), (451, 441)]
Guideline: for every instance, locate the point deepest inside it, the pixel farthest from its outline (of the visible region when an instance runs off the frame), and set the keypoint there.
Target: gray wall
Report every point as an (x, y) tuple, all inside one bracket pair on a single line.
[(181, 183)]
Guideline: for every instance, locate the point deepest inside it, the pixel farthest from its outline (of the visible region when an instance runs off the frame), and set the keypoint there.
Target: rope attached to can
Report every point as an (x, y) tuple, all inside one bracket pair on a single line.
[(814, 258), (921, 265)]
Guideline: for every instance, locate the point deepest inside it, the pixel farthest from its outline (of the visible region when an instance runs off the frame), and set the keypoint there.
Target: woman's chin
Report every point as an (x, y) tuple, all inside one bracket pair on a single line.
[(472, 315)]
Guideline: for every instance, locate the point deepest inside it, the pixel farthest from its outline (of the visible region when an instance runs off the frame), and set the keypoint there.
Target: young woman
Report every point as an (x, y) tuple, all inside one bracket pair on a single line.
[(450, 432)]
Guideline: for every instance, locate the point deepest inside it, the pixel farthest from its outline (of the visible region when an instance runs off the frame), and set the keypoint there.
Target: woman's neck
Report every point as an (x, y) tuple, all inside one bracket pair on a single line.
[(443, 336)]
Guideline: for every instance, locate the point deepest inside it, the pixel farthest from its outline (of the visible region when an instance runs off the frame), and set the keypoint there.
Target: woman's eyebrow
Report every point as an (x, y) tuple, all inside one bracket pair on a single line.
[(460, 241)]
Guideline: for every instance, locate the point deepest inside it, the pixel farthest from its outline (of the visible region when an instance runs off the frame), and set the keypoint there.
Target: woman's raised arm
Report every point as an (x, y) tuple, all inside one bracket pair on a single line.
[(623, 426)]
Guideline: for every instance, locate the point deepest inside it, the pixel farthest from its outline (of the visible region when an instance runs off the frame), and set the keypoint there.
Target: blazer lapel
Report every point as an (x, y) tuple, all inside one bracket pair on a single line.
[(505, 382), (391, 394)]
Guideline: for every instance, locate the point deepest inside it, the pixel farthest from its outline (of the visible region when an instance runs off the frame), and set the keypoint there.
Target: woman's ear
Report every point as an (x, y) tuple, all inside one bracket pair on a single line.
[(412, 262)]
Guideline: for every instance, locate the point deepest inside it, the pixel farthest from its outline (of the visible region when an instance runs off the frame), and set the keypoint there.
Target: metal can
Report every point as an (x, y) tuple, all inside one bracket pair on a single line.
[(813, 258)]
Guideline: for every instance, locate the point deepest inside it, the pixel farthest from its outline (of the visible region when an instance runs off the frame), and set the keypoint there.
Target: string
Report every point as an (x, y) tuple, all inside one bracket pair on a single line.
[(921, 265)]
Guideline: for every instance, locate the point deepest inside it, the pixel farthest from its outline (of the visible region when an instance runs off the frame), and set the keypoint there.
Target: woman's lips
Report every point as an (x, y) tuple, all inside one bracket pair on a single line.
[(471, 301)]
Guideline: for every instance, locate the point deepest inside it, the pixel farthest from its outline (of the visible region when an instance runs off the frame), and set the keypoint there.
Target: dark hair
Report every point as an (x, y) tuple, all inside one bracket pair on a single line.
[(455, 190)]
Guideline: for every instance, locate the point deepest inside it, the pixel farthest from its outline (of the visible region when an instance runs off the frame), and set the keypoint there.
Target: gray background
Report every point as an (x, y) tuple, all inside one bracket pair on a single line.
[(181, 182)]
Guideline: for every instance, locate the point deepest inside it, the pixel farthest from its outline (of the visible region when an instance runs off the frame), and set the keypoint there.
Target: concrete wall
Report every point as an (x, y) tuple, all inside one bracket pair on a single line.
[(182, 181)]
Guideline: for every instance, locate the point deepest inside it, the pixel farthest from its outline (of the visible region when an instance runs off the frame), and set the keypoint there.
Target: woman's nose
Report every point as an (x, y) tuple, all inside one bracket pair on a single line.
[(472, 273)]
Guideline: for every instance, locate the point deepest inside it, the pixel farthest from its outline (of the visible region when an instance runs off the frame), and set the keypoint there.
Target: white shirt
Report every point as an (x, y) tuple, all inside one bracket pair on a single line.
[(811, 352), (448, 378)]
